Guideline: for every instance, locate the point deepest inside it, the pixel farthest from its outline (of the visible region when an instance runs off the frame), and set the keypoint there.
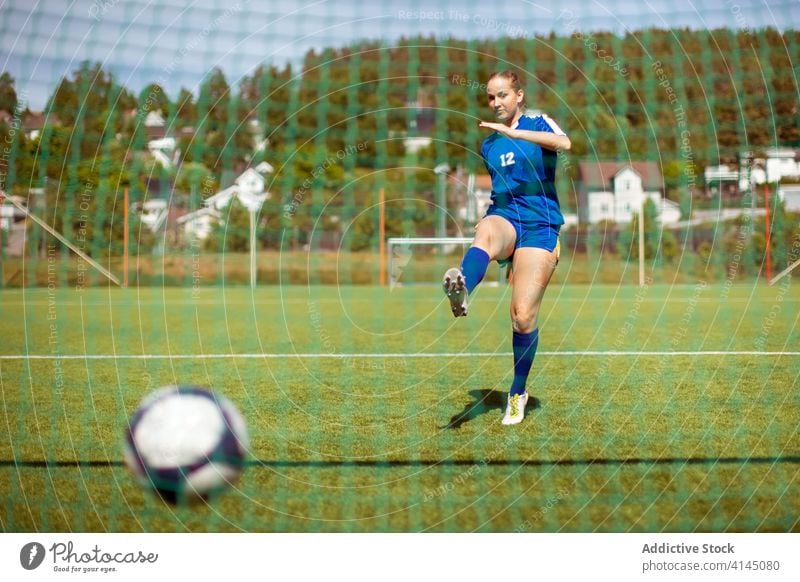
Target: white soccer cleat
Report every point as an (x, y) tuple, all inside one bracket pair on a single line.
[(455, 287), (515, 410)]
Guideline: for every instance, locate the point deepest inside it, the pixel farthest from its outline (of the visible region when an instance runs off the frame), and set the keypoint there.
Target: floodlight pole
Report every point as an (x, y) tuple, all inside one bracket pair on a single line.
[(766, 230), (2, 247), (125, 241), (382, 238), (252, 248), (641, 241), (441, 199)]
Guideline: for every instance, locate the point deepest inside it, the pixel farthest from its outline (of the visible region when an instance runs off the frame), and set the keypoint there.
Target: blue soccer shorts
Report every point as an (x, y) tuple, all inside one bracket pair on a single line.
[(537, 236)]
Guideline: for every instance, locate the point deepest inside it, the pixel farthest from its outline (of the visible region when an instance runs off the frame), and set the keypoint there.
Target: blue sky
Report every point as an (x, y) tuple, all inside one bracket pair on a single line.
[(177, 43)]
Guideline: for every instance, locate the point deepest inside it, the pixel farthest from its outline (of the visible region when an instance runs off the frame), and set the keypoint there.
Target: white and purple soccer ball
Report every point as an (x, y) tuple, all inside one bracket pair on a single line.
[(186, 443)]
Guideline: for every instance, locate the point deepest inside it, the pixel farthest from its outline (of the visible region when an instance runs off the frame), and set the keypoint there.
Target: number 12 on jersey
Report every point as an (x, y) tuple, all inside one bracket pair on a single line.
[(507, 159)]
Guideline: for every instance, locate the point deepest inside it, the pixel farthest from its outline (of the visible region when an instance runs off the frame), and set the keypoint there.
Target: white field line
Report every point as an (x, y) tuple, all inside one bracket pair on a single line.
[(223, 302), (374, 355)]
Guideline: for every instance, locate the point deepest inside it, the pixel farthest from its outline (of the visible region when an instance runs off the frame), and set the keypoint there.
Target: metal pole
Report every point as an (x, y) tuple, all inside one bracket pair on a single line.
[(382, 238), (641, 242), (440, 210), (125, 241), (767, 233), (2, 244), (441, 199), (252, 249)]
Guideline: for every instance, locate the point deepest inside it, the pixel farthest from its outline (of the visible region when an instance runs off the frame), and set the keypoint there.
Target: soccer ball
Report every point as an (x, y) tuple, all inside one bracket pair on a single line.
[(186, 443)]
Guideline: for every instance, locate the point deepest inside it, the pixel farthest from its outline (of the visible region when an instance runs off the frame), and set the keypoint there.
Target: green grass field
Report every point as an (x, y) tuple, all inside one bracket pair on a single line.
[(367, 412)]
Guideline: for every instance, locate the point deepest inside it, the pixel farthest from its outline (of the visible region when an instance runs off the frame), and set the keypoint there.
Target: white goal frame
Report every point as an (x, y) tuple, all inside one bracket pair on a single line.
[(58, 236), (785, 272)]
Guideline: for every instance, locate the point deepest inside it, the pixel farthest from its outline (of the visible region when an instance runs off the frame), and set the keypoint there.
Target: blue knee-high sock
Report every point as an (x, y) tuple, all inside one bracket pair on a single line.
[(474, 266), (525, 345)]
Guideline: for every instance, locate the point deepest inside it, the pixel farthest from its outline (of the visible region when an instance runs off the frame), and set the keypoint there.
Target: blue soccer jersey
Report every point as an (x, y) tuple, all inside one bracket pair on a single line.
[(523, 175)]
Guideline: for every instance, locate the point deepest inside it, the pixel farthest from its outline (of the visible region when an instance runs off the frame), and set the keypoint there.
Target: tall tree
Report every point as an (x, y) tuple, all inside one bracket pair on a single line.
[(217, 93), (8, 95), (185, 108), (154, 98)]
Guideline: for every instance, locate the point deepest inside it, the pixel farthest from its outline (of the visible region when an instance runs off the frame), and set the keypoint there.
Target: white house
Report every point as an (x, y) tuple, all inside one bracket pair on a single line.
[(14, 225), (163, 150), (615, 191), (790, 196), (248, 188), (9, 214), (781, 163), (160, 146), (154, 119), (200, 223), (722, 179), (153, 213), (414, 144), (777, 164)]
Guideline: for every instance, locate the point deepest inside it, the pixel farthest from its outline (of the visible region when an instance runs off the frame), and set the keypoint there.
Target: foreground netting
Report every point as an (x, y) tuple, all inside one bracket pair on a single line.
[(280, 234)]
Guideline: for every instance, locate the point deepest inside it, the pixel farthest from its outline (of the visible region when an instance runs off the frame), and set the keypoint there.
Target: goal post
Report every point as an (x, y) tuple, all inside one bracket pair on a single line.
[(783, 273), (423, 260), (47, 228)]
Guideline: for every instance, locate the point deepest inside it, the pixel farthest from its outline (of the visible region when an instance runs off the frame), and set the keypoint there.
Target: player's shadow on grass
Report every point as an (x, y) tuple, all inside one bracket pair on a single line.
[(491, 401)]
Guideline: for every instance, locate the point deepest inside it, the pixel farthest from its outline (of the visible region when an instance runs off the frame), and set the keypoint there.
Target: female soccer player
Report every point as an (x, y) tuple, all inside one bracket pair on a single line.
[(521, 225)]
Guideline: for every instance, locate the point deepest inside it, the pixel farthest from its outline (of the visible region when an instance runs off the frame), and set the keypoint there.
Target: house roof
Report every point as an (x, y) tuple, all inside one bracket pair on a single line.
[(192, 216), (248, 188), (154, 119), (36, 120), (221, 197), (155, 132), (784, 153), (600, 174)]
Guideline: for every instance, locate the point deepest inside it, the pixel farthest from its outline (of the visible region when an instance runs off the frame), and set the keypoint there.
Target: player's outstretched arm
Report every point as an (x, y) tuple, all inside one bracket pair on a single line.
[(547, 140)]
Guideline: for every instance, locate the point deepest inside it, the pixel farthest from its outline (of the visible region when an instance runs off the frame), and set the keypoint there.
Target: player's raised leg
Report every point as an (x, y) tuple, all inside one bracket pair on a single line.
[(494, 239), (533, 268)]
